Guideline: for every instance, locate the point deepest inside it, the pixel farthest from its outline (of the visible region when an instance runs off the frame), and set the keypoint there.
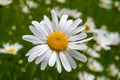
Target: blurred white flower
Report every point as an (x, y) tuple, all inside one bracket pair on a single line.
[(89, 25), (57, 42), (86, 76), (106, 4), (5, 2), (102, 78), (102, 38), (11, 49), (32, 4), (92, 52), (73, 13), (114, 37), (48, 2), (117, 5), (25, 8), (61, 1), (94, 65), (113, 70), (97, 47)]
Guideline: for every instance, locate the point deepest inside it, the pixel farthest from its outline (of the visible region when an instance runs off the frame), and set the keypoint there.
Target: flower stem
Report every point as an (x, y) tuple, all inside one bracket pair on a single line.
[(59, 76)]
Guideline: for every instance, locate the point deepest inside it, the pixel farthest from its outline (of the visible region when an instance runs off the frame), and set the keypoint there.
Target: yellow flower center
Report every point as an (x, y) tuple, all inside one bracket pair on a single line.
[(94, 68), (111, 71), (87, 28), (11, 50), (57, 41)]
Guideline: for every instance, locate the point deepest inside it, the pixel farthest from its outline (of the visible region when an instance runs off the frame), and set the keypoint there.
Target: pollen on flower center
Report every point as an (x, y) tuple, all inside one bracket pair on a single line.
[(94, 68), (57, 41), (11, 50), (87, 28)]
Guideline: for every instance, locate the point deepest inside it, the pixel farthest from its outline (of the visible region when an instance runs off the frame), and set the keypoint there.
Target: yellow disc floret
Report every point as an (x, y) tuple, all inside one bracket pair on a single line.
[(11, 50), (87, 28), (94, 68), (57, 41)]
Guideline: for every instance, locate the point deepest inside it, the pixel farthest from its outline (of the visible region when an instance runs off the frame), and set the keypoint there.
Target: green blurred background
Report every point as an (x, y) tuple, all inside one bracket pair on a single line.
[(16, 67)]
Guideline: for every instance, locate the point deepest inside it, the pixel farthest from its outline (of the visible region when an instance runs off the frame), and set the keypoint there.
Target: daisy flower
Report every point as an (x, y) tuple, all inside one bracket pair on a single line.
[(117, 5), (85, 76), (102, 78), (114, 37), (113, 70), (89, 25), (106, 4), (11, 49), (97, 47), (102, 38), (61, 1), (31, 4), (47, 2), (92, 52), (94, 65), (57, 42), (5, 2), (73, 13)]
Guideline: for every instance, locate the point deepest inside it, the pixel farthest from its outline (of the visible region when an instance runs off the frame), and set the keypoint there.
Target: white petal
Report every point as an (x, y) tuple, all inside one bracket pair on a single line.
[(74, 25), (2, 50), (45, 61), (84, 40), (36, 48), (53, 59), (64, 62), (58, 64), (40, 28), (6, 46), (71, 60), (63, 21), (77, 55), (78, 37), (78, 46), (37, 53), (40, 58), (77, 30), (48, 23), (68, 23), (54, 19), (37, 33), (33, 39)]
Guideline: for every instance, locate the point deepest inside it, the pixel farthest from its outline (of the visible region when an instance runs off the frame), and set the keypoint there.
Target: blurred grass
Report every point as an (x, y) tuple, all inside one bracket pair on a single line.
[(12, 15)]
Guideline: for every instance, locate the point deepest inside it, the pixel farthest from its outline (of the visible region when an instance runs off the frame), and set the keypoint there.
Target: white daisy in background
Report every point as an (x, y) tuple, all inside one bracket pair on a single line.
[(113, 70), (11, 49), (86, 76), (73, 13), (102, 78), (57, 42), (31, 4), (92, 52), (47, 2), (117, 5), (5, 2), (96, 47), (94, 65), (102, 39), (89, 25), (114, 37), (106, 4), (61, 1)]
